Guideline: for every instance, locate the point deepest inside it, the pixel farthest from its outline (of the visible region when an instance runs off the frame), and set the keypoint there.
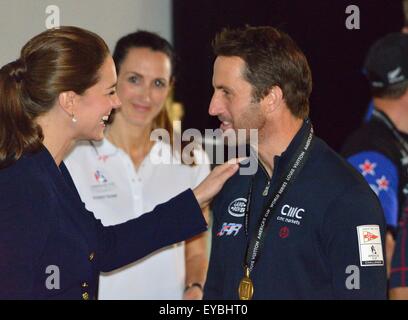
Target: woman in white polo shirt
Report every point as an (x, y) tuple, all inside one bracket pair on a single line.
[(119, 178)]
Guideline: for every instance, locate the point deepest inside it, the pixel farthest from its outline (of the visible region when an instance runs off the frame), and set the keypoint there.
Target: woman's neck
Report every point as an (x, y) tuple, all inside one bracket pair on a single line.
[(133, 140), (56, 140)]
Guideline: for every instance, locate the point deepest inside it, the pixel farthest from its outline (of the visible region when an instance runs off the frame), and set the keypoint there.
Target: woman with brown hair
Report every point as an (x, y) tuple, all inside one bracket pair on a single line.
[(62, 90)]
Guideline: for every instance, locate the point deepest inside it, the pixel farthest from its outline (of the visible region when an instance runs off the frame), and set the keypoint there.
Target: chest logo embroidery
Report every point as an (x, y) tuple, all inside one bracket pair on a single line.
[(237, 207), (229, 229), (289, 214)]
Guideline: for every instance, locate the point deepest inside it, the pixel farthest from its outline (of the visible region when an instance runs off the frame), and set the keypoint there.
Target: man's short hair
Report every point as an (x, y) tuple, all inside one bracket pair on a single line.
[(394, 91), (272, 58)]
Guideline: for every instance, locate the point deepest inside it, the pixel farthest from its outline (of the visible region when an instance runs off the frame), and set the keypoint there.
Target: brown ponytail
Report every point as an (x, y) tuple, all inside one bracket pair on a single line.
[(18, 133), (57, 60)]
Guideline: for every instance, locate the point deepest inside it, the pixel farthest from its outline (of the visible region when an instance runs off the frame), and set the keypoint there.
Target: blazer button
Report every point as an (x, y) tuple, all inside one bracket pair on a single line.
[(91, 256), (85, 296), (84, 285)]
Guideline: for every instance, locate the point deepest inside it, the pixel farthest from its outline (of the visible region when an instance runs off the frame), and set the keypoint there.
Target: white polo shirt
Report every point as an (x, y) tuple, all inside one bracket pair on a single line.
[(115, 192)]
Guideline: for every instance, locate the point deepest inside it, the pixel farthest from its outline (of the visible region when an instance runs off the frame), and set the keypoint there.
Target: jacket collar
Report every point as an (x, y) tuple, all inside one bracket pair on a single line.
[(281, 161)]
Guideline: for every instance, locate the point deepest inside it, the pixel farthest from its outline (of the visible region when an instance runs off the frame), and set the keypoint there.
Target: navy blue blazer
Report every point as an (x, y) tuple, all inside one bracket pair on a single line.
[(51, 247)]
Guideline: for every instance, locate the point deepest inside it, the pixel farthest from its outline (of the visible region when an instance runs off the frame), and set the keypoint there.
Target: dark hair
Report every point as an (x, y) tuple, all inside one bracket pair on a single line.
[(142, 39), (57, 60), (272, 58), (394, 91)]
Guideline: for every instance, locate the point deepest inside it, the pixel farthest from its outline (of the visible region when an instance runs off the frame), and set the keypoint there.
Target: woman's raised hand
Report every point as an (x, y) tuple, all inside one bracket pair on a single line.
[(211, 185)]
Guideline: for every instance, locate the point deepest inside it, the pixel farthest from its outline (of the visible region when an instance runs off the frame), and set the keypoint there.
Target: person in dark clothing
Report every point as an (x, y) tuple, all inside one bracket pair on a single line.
[(379, 149), (303, 225)]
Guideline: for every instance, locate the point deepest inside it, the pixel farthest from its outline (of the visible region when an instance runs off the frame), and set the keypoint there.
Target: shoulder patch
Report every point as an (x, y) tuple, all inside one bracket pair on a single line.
[(370, 246)]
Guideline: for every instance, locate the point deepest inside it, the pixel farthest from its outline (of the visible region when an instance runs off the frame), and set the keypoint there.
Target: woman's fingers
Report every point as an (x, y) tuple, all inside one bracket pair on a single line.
[(236, 160), (226, 170), (206, 191)]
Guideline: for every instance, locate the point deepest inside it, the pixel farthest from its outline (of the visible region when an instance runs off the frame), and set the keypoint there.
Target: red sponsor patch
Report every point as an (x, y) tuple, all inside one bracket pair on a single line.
[(284, 232)]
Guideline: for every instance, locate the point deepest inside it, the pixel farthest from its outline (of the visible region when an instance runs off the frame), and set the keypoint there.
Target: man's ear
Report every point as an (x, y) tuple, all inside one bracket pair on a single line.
[(66, 101), (273, 100)]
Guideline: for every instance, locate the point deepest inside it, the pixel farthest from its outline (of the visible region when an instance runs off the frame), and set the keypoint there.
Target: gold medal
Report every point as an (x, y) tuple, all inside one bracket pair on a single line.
[(246, 287)]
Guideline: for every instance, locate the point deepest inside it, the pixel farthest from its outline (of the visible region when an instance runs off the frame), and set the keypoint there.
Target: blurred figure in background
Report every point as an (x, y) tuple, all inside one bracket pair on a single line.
[(404, 29), (379, 149), (119, 179)]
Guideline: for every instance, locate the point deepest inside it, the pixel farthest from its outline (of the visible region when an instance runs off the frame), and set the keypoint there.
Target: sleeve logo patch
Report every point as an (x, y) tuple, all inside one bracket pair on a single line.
[(370, 246), (368, 236)]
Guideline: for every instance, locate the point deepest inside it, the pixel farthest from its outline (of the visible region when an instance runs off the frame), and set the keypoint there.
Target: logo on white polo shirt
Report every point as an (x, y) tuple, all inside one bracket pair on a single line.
[(100, 177), (237, 207), (103, 157), (291, 214), (102, 185)]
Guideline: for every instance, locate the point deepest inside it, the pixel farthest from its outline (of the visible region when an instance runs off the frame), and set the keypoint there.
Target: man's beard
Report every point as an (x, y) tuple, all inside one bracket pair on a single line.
[(251, 120)]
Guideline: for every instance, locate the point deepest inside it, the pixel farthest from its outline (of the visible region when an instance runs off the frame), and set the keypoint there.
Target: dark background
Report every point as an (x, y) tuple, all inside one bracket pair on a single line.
[(340, 93)]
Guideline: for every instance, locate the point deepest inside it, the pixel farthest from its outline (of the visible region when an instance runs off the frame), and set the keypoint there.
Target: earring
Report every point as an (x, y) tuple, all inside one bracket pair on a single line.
[(74, 120)]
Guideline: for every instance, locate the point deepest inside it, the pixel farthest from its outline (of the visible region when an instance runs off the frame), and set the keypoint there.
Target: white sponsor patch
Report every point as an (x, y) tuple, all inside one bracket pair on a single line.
[(370, 247), (237, 207)]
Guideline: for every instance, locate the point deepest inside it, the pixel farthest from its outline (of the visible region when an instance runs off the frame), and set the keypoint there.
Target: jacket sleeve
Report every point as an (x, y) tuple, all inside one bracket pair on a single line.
[(356, 272), (23, 233), (216, 269), (176, 220)]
